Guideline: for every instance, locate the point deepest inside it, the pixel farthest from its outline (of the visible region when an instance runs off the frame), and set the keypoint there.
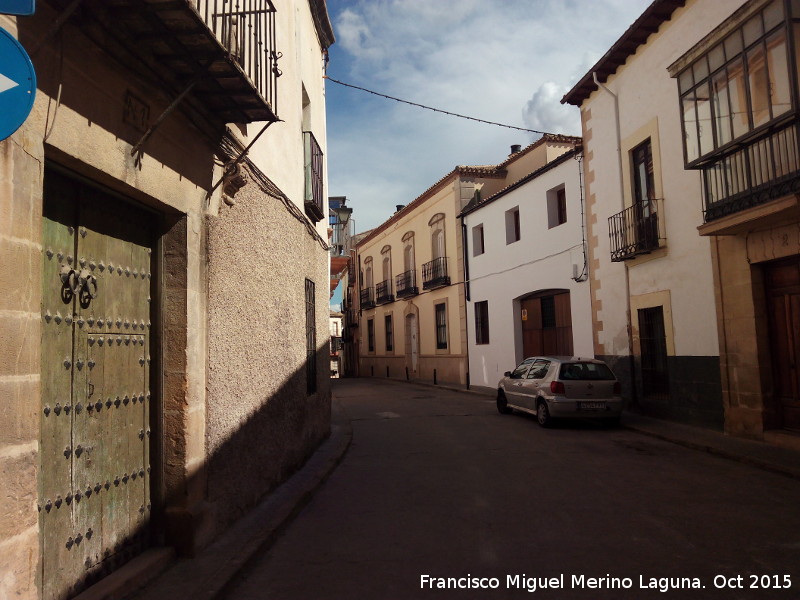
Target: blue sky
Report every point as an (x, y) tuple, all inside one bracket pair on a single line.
[(508, 61)]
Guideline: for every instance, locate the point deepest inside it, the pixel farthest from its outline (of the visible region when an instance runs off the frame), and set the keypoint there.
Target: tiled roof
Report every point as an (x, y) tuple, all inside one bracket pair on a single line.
[(472, 205), (488, 171), (651, 19)]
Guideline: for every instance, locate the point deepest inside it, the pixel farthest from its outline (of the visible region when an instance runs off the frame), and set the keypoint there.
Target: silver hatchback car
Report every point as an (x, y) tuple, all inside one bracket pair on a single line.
[(559, 386)]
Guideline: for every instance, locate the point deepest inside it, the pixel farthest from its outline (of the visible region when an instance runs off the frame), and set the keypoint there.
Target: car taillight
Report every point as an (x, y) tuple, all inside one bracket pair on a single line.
[(617, 388), (556, 387)]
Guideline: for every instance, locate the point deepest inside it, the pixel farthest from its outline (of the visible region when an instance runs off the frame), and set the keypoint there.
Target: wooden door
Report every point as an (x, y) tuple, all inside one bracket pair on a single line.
[(783, 299), (96, 323), (547, 325)]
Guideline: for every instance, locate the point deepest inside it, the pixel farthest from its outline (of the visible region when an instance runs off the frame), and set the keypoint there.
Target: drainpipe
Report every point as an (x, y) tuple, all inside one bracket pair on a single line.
[(632, 365), (464, 255)]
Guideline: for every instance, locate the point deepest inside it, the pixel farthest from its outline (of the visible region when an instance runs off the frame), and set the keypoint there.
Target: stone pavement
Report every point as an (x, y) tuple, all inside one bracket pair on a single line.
[(207, 576)]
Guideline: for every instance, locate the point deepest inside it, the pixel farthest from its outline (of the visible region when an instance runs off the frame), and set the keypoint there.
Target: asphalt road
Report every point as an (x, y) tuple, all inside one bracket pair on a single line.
[(436, 483)]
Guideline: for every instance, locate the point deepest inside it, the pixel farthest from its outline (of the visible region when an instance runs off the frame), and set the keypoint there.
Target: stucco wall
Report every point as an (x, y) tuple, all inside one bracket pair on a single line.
[(679, 276), (302, 68), (652, 110), (261, 422), (542, 259)]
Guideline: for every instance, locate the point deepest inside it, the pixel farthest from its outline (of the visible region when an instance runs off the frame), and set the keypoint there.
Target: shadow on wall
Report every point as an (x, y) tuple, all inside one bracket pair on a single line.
[(263, 452)]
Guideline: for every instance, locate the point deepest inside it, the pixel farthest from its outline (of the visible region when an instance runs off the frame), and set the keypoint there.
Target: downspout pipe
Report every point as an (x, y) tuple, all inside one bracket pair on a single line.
[(632, 362), (465, 260)]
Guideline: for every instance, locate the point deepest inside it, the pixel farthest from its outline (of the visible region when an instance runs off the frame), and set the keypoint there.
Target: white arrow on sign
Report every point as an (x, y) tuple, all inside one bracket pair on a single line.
[(6, 83)]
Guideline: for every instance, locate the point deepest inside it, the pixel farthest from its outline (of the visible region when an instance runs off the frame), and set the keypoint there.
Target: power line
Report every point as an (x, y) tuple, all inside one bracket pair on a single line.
[(439, 110)]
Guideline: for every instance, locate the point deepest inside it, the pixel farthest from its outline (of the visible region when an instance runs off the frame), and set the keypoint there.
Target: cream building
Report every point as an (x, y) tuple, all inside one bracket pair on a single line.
[(163, 242), (412, 305)]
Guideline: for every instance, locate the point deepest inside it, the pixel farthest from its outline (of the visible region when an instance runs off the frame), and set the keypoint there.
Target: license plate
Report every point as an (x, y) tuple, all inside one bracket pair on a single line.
[(591, 405)]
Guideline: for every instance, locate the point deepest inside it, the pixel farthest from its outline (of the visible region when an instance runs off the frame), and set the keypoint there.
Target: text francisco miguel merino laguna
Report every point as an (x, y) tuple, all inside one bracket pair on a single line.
[(531, 584)]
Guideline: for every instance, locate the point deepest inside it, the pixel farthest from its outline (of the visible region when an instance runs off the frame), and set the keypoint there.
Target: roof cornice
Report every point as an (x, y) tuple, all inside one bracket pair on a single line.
[(637, 34)]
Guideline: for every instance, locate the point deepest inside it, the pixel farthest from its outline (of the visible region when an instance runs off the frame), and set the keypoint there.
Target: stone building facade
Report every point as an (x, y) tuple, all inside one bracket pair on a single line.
[(163, 242)]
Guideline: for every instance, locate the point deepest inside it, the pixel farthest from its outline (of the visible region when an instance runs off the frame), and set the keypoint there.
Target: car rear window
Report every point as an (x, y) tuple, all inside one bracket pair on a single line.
[(585, 371)]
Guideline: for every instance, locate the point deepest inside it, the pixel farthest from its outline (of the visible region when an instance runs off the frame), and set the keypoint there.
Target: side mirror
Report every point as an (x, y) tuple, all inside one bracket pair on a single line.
[(507, 374)]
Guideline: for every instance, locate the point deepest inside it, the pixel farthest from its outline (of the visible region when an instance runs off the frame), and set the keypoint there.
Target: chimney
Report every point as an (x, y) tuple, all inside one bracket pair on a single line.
[(400, 207), (515, 148)]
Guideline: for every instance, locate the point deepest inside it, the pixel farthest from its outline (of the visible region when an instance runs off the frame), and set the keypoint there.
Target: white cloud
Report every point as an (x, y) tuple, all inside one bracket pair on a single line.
[(545, 112), (500, 60)]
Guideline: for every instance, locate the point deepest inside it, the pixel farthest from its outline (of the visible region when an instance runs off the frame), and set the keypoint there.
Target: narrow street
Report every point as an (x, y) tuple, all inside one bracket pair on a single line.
[(438, 483)]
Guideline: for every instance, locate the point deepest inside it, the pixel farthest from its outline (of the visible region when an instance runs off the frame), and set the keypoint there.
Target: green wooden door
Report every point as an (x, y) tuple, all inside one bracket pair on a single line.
[(95, 413)]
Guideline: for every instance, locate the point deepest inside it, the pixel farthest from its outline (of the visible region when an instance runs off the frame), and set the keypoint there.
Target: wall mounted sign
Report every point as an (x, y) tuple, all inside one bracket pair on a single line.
[(17, 84), (22, 8)]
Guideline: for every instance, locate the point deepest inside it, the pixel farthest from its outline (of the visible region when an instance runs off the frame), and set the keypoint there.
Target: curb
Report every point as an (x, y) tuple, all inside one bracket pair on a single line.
[(210, 574)]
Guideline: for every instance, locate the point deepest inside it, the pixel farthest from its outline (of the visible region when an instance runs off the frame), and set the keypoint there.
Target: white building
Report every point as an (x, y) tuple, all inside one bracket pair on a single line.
[(527, 289)]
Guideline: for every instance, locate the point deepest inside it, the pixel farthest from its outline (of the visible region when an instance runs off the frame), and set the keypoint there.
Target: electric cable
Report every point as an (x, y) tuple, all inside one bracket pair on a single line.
[(438, 110)]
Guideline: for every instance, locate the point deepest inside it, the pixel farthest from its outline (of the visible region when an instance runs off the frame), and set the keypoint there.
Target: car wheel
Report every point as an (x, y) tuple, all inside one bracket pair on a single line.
[(502, 403), (543, 414)]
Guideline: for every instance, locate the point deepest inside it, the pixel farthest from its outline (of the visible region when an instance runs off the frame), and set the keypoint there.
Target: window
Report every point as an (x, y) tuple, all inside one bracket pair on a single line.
[(386, 256), (512, 225), (371, 335), (408, 251), (556, 207), (311, 338), (539, 369), (313, 177), (441, 326), (477, 240), (437, 236), (482, 322), (368, 280), (739, 85), (389, 333)]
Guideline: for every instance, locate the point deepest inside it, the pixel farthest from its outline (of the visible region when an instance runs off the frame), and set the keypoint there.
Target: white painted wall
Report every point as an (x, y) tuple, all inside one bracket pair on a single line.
[(649, 106), (542, 259), (302, 66)]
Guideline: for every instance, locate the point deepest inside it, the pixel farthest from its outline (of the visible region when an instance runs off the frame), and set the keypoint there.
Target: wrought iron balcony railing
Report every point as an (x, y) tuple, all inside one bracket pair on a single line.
[(765, 169), (636, 230), (220, 56), (434, 273), (368, 298), (246, 29), (406, 284), (383, 291), (314, 202)]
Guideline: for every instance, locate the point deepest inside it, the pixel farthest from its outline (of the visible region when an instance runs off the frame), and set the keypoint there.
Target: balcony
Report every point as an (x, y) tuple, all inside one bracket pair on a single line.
[(406, 284), (765, 169), (383, 291), (434, 273), (222, 51), (636, 230), (314, 201), (368, 298)]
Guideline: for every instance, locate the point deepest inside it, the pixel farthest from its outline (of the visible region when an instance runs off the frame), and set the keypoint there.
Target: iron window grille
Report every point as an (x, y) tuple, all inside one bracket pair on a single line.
[(482, 322), (371, 335), (389, 333), (441, 326), (311, 337)]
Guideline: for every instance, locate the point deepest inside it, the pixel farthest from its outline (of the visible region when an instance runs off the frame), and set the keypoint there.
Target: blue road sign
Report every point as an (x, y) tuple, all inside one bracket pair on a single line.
[(17, 84), (17, 7)]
